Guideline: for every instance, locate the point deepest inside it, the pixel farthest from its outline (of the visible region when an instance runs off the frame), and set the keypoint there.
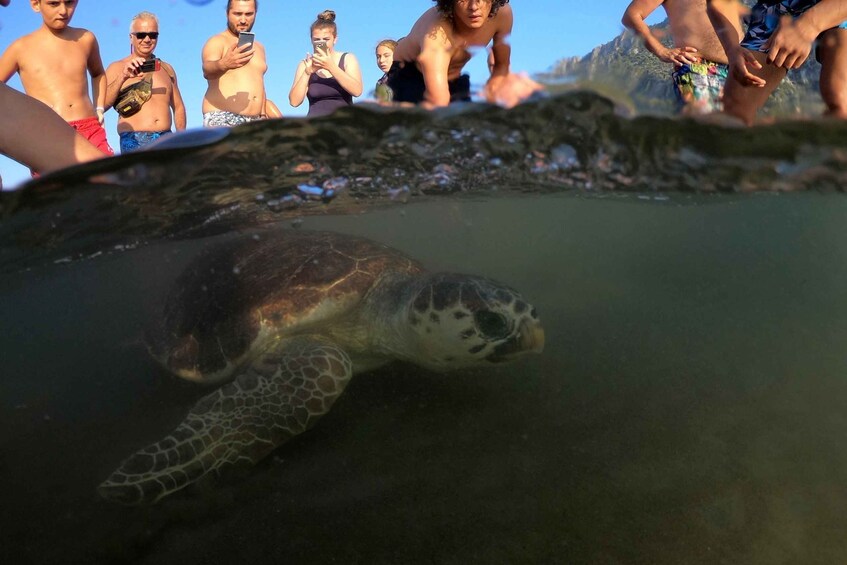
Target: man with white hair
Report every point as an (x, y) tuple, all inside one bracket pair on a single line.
[(148, 101)]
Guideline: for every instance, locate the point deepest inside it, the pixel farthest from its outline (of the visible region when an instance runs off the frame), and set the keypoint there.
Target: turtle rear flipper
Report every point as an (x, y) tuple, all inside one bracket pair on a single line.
[(280, 395)]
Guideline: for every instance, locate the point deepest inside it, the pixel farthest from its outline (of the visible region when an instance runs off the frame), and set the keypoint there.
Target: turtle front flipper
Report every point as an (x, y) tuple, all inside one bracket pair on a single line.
[(280, 395)]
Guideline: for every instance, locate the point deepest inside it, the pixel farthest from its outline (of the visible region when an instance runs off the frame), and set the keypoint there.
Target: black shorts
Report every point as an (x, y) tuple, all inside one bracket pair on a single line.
[(407, 84)]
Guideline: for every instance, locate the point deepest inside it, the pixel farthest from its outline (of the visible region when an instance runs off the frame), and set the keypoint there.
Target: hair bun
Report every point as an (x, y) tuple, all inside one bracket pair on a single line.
[(326, 16)]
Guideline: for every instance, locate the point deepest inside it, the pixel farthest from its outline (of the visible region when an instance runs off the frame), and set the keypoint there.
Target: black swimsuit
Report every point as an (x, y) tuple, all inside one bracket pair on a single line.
[(326, 95)]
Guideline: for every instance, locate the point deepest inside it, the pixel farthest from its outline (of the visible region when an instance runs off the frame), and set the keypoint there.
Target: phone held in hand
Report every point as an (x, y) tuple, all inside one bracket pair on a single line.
[(150, 65), (320, 46), (245, 37)]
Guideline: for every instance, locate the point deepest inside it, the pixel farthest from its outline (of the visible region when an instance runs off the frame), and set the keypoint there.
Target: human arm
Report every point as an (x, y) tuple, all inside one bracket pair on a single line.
[(177, 103), (9, 62), (116, 75), (791, 43), (434, 64), (271, 110), (36, 136), (722, 14), (504, 87), (350, 77), (98, 77), (217, 59), (633, 19), (301, 81)]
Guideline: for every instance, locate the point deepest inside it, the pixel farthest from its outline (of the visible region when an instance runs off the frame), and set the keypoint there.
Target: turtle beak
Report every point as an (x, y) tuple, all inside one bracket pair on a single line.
[(528, 339)]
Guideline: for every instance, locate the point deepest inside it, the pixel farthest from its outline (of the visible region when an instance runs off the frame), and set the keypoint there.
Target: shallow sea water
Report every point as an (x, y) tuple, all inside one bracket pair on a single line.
[(689, 406)]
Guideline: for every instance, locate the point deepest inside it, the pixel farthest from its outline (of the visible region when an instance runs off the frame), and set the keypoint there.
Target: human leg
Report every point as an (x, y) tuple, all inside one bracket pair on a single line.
[(36, 136), (743, 101), (832, 50)]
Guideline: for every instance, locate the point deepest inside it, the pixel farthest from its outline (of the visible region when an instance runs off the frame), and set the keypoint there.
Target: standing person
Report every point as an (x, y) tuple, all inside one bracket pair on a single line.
[(236, 91), (143, 116), (779, 37), (699, 61), (428, 62), (328, 78), (36, 136), (384, 60), (54, 62)]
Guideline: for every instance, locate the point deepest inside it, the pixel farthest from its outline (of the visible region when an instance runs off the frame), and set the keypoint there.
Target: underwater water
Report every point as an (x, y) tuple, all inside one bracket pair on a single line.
[(689, 406)]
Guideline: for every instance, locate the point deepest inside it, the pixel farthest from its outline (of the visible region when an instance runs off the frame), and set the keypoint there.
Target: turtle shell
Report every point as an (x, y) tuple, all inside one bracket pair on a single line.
[(235, 295)]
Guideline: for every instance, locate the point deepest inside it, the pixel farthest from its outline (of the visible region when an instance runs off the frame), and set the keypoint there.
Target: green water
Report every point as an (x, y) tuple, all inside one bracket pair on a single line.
[(689, 406)]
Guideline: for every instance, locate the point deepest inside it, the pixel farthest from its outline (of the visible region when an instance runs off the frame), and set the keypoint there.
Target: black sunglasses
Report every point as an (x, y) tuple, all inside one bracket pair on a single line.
[(146, 34)]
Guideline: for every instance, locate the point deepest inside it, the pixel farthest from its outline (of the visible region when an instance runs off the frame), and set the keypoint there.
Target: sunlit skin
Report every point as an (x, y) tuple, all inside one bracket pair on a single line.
[(754, 75), (55, 60), (693, 36), (441, 48), (51, 145), (155, 114), (384, 57), (235, 74), (326, 64)]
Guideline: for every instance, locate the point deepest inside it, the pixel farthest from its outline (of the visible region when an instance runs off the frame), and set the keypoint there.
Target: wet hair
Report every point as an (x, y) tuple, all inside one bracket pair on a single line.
[(229, 5), (446, 7), (326, 19), (390, 43), (143, 16)]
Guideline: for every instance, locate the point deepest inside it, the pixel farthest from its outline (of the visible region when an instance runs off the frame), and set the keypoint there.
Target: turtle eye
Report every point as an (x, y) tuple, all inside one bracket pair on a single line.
[(491, 325)]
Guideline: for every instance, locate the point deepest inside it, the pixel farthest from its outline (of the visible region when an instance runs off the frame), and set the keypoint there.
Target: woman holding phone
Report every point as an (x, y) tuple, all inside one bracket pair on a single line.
[(329, 79)]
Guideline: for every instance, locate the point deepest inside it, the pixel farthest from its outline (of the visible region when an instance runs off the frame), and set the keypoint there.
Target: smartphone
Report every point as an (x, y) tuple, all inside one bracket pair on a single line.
[(320, 46), (245, 37), (150, 65)]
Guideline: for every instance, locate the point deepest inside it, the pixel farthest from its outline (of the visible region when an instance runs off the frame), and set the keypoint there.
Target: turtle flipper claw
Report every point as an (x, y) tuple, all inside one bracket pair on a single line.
[(283, 393)]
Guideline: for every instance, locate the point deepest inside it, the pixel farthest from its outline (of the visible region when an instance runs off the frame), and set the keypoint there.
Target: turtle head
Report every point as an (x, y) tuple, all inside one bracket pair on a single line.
[(460, 321)]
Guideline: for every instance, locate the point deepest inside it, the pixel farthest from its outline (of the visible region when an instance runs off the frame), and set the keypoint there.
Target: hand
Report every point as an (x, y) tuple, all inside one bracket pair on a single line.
[(509, 90), (323, 60), (681, 56), (131, 68), (791, 43), (740, 62), (307, 62), (237, 56), (101, 115)]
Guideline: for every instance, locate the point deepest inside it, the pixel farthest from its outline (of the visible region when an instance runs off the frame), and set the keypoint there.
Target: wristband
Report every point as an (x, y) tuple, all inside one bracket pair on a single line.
[(100, 109)]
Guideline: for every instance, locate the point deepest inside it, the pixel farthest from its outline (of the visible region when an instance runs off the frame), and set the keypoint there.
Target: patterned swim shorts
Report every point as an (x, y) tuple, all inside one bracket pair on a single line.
[(764, 20), (221, 118), (132, 140), (699, 86)]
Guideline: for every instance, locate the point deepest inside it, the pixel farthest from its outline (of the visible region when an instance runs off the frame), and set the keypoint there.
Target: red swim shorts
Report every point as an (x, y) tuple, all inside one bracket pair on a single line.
[(90, 129)]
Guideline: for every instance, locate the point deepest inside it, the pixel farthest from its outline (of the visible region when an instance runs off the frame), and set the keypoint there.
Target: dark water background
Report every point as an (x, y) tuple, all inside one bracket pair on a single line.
[(689, 406)]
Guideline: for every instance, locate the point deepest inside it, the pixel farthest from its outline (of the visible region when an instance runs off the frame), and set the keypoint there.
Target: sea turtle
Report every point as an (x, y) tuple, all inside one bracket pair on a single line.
[(285, 319)]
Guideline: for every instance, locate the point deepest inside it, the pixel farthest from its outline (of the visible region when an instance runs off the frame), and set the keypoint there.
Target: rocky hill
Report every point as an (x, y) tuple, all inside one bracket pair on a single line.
[(627, 72)]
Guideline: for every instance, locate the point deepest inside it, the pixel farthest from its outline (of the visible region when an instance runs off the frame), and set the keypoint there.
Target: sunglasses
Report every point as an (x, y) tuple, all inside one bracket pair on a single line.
[(146, 34)]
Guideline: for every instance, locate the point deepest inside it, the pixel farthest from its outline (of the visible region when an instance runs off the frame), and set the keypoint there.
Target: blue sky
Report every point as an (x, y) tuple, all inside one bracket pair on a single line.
[(545, 31)]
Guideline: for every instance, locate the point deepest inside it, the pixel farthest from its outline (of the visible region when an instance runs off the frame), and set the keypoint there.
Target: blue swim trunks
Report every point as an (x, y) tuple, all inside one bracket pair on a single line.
[(764, 20), (132, 140)]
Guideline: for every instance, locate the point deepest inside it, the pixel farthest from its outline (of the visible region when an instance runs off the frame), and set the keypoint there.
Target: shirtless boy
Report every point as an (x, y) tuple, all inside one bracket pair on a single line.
[(36, 136), (52, 62), (779, 37), (700, 66), (236, 92), (153, 120), (428, 62)]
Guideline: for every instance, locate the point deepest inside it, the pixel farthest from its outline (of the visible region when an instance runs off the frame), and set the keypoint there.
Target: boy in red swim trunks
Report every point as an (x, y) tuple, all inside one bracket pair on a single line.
[(54, 62)]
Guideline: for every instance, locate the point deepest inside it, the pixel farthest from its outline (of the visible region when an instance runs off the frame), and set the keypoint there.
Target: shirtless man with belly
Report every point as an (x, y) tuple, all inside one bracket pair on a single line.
[(236, 92)]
